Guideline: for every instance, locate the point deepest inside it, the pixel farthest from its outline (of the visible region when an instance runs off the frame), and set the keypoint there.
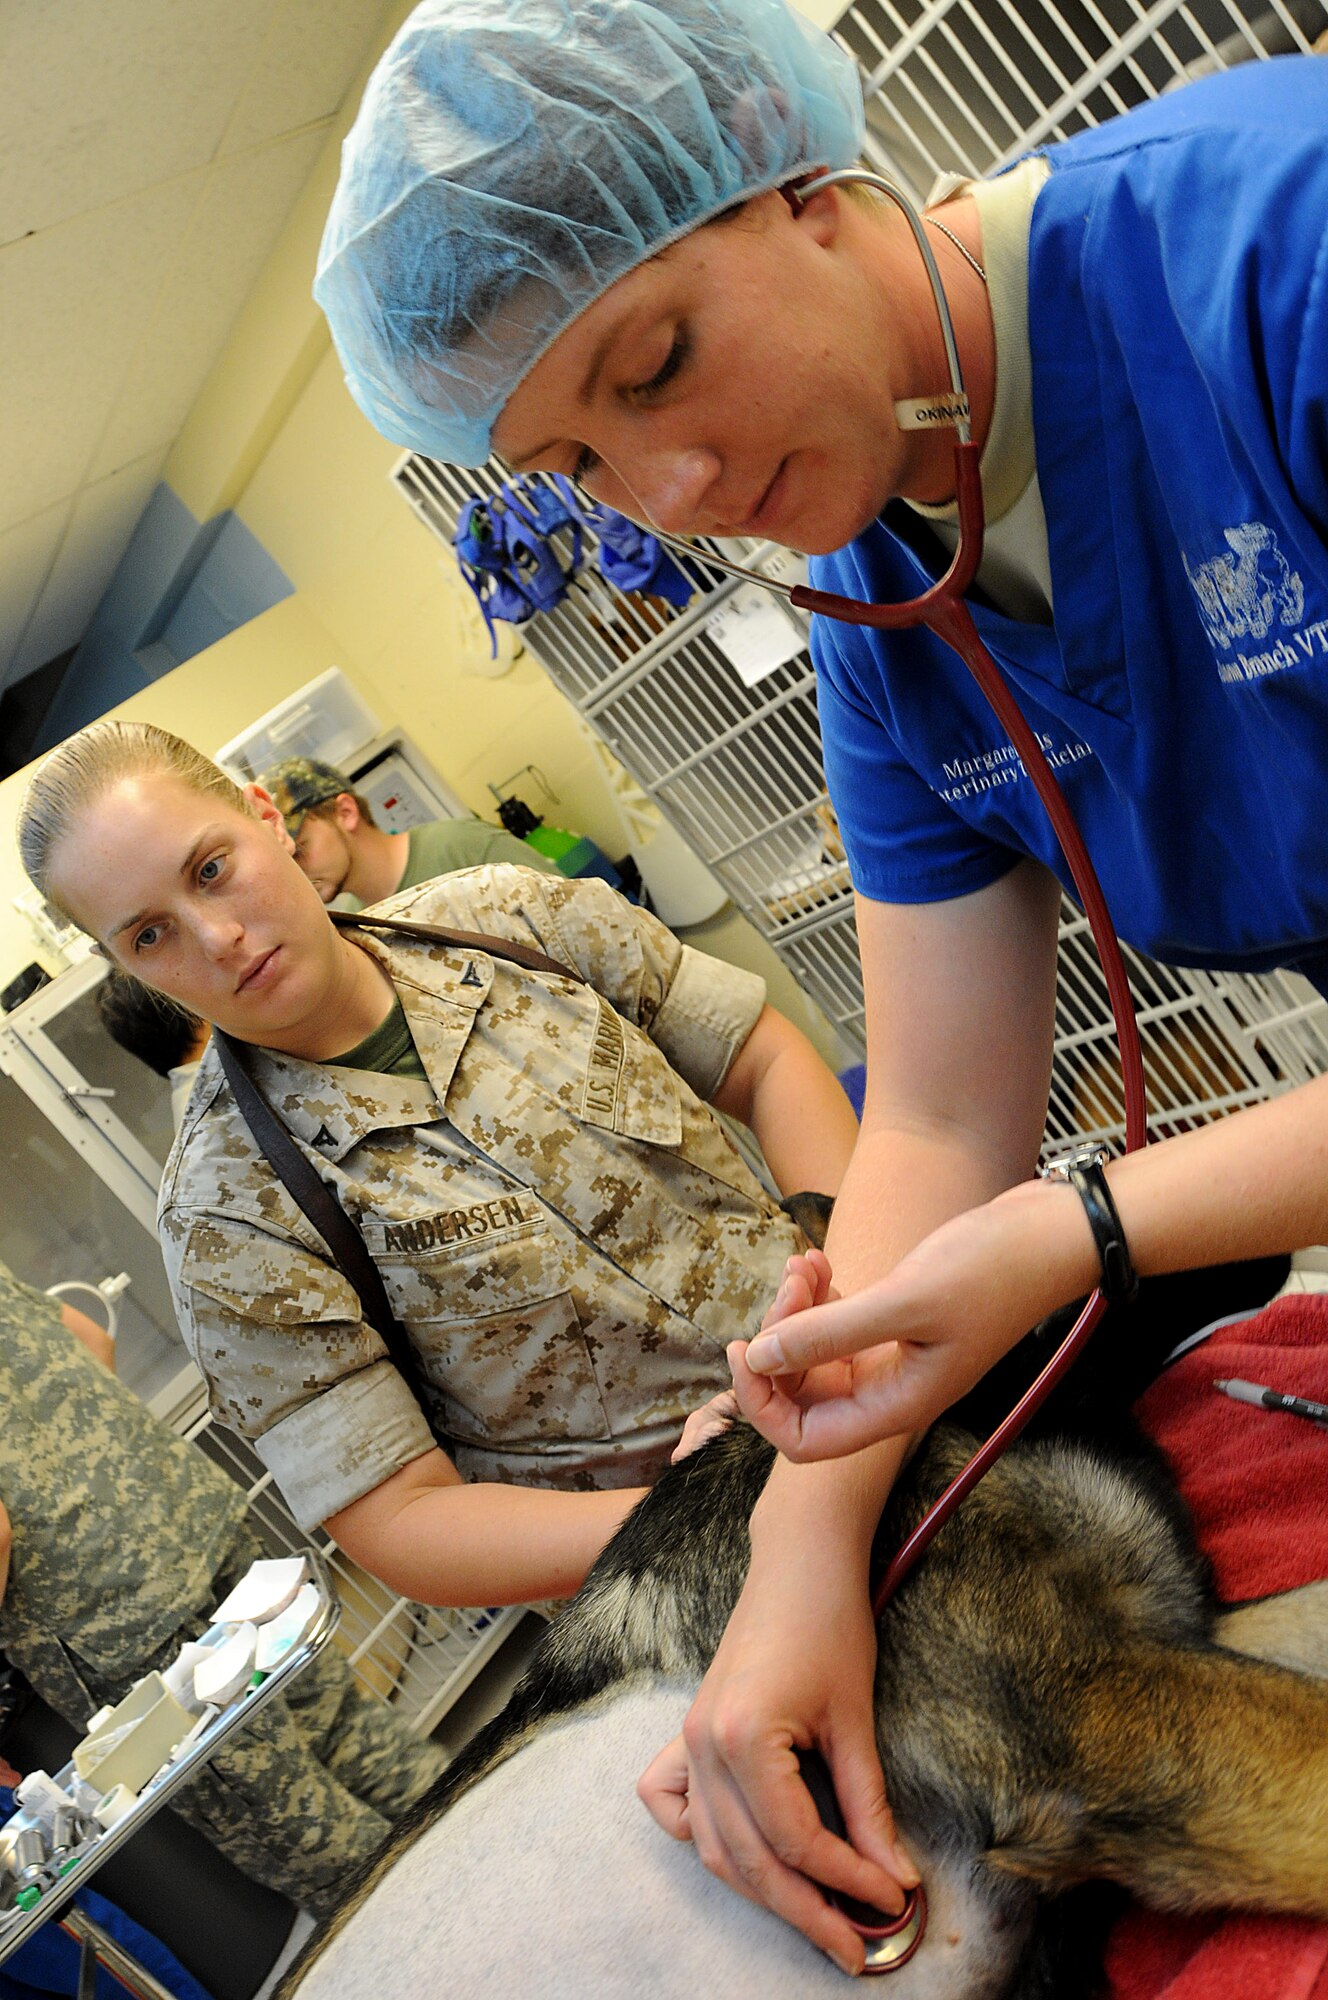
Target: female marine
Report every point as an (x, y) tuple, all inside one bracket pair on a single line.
[(562, 1226)]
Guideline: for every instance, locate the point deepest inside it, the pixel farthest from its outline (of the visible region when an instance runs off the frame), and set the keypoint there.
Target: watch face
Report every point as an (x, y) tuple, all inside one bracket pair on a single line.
[(1076, 1161)]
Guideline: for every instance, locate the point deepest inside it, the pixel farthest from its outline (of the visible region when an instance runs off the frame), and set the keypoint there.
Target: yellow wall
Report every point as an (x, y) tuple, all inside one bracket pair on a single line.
[(275, 435), (207, 701)]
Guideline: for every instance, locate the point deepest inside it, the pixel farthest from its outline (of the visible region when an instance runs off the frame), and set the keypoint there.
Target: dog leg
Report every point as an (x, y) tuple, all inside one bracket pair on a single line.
[(1192, 1777)]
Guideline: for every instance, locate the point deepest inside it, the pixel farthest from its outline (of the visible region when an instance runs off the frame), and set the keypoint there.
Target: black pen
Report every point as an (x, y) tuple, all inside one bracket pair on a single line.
[(1273, 1399)]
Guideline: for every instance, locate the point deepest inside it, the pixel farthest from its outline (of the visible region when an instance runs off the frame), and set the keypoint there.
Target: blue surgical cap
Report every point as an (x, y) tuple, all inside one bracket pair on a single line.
[(512, 158)]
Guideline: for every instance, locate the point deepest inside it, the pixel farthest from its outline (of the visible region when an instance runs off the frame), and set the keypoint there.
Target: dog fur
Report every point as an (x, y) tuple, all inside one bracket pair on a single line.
[(1061, 1703)]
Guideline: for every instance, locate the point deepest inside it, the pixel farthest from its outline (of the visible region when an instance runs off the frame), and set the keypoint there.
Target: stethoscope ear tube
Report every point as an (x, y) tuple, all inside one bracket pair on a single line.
[(864, 177), (942, 609)]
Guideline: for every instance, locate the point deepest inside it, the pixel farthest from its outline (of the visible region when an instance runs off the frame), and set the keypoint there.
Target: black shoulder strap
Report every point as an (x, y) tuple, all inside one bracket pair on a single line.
[(347, 1247), (349, 1251), (493, 947)]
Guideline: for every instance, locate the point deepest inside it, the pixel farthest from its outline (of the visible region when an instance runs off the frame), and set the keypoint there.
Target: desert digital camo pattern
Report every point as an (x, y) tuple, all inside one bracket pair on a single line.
[(562, 1224), (124, 1537)]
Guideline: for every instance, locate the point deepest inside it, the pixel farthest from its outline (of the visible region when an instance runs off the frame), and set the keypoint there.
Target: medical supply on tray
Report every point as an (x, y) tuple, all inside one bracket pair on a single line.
[(137, 1752)]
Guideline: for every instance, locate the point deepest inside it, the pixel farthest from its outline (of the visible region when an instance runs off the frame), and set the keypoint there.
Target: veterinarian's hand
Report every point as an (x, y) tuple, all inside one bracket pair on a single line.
[(705, 1423), (839, 1374), (806, 1281), (795, 1668)]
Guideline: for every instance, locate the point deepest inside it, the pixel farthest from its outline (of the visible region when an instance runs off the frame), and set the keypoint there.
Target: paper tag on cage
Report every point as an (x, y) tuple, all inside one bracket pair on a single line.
[(931, 413), (755, 633)]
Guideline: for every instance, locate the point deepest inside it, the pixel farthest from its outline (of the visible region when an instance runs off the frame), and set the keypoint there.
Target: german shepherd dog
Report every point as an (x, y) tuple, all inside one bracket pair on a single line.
[(1061, 1704)]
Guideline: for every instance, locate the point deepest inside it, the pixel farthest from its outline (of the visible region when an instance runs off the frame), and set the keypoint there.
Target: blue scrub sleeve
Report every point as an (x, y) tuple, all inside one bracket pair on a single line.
[(904, 844)]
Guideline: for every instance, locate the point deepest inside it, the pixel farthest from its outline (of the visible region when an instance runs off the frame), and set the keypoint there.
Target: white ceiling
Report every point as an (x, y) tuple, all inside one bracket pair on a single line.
[(150, 151)]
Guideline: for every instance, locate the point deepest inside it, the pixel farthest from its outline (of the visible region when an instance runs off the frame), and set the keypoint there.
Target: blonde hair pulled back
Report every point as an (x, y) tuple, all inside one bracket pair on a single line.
[(76, 775)]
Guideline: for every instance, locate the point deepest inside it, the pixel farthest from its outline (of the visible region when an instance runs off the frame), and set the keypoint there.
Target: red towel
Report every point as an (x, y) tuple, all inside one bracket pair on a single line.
[(1257, 1486)]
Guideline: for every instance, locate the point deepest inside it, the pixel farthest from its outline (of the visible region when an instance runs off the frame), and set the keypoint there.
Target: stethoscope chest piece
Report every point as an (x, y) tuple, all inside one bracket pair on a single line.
[(890, 1941), (891, 1945)]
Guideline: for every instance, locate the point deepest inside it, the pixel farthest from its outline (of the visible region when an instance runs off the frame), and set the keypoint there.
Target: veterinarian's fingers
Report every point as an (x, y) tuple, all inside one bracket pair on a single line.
[(733, 1849), (810, 1272), (787, 1820), (855, 1770), (820, 1333), (799, 1392), (827, 1413), (836, 1425), (797, 1291), (825, 1277), (662, 1788), (765, 1401)]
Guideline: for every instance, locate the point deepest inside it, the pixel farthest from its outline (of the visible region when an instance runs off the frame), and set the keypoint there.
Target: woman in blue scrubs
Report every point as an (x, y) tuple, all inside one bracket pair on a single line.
[(569, 230)]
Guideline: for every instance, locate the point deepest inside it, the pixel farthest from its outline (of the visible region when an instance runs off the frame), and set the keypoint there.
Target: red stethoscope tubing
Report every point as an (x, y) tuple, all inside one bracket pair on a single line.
[(943, 611)]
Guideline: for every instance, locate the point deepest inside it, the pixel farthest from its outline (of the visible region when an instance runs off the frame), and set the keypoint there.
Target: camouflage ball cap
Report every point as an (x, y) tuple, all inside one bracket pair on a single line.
[(299, 784)]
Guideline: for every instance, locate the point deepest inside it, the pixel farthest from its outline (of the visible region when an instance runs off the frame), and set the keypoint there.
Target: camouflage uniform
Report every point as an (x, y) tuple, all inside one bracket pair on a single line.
[(124, 1537), (562, 1224)]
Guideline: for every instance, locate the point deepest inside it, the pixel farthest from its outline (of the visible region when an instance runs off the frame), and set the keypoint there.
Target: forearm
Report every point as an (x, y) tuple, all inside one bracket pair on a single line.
[(485, 1544), (1254, 1184), (794, 1105), (1249, 1185), (954, 1110), (814, 1524), (899, 1186), (902, 1182)]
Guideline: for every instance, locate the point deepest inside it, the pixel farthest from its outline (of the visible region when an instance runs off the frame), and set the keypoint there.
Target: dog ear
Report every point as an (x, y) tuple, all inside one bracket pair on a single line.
[(812, 1214)]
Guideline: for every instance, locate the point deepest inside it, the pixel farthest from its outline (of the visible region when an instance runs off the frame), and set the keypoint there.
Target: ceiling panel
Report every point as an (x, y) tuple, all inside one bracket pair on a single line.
[(72, 306), (102, 101), (240, 212), (313, 49)]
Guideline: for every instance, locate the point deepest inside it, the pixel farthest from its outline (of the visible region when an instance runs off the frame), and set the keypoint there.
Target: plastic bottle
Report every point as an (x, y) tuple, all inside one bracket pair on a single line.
[(572, 854)]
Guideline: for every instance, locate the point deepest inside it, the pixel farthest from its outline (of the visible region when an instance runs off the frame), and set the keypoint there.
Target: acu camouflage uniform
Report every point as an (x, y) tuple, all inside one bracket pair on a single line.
[(562, 1224), (124, 1537)]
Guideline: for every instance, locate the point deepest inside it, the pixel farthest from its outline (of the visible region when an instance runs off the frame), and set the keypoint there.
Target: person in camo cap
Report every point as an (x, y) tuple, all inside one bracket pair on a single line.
[(344, 851), (116, 1540)]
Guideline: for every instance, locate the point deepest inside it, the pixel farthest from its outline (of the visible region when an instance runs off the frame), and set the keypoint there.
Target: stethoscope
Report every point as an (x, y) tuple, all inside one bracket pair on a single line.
[(891, 1942)]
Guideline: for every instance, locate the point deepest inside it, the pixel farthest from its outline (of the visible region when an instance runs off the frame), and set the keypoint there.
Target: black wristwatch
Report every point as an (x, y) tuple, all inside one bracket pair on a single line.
[(1082, 1168)]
